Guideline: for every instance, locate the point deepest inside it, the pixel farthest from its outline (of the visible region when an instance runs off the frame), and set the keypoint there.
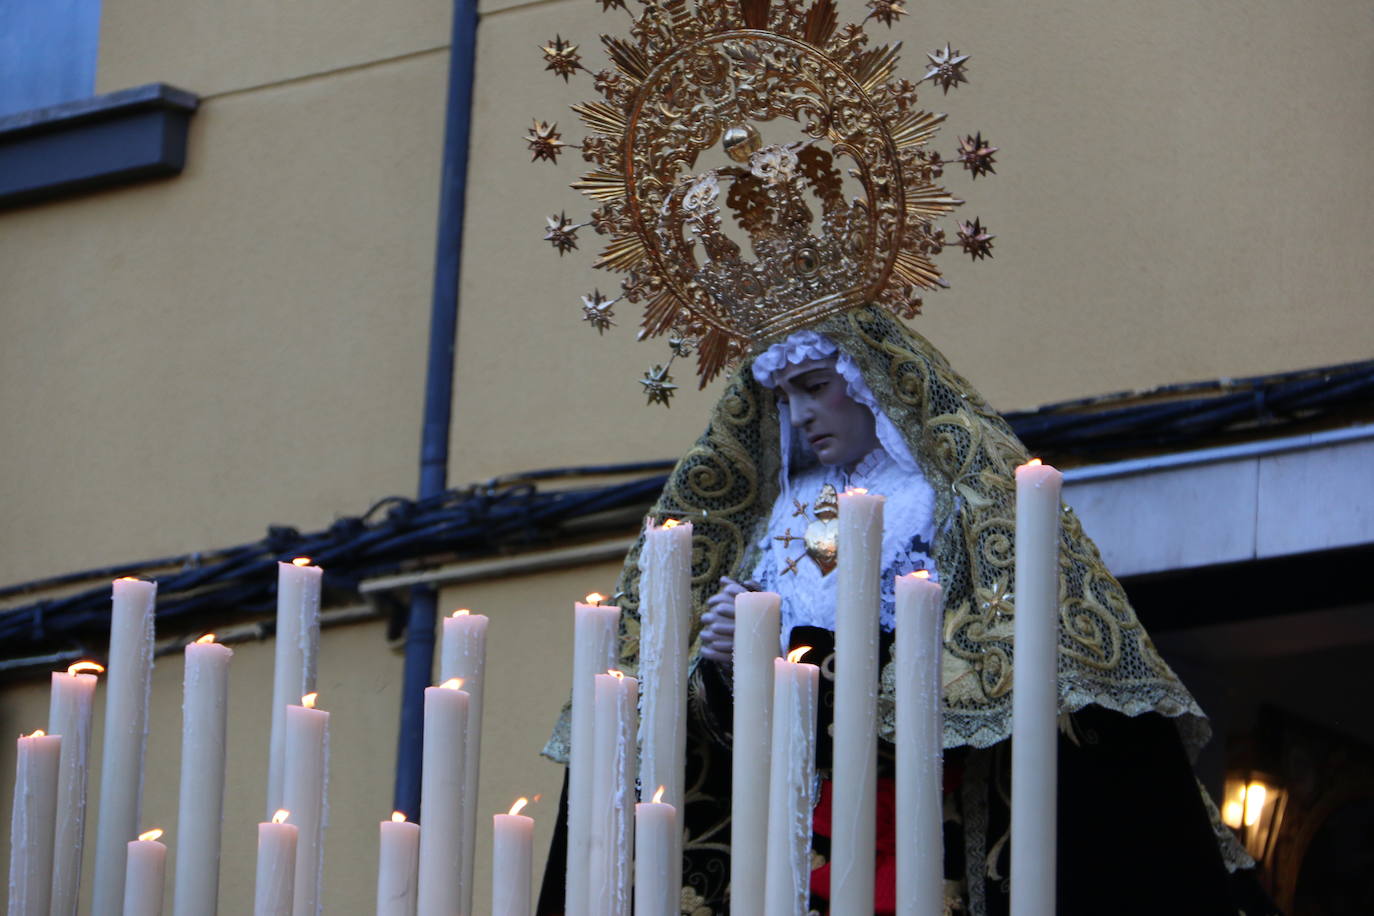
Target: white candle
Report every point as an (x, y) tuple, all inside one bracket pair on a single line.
[(612, 794), (276, 873), (305, 789), (126, 736), (665, 614), (398, 861), (512, 858), (146, 866), (441, 788), (655, 845), (32, 822), (594, 645), (793, 770), (200, 811), (1035, 691), (69, 715), (296, 650), (756, 645), (857, 604), (920, 744), (463, 654)]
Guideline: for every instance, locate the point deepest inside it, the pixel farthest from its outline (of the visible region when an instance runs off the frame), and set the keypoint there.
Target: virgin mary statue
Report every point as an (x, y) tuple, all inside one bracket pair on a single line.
[(795, 262), (861, 400)]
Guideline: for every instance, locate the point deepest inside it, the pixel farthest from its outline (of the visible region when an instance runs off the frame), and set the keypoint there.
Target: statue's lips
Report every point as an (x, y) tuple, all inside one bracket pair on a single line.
[(818, 439)]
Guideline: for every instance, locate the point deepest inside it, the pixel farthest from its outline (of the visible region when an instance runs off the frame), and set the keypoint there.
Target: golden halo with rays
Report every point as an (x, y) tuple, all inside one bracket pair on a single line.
[(689, 77)]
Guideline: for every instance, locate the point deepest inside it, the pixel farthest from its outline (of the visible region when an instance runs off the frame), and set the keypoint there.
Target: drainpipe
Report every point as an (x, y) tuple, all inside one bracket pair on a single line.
[(443, 340)]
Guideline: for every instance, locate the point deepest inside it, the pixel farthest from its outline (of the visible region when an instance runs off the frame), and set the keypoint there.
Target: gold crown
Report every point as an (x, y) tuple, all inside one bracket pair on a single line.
[(689, 78)]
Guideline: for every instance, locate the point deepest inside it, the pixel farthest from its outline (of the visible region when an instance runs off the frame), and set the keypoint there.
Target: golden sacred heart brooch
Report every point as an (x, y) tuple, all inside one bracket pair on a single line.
[(823, 535)]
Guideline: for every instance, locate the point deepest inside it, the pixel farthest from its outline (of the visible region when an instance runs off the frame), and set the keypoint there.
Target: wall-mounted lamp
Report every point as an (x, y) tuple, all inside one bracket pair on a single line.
[(1253, 807)]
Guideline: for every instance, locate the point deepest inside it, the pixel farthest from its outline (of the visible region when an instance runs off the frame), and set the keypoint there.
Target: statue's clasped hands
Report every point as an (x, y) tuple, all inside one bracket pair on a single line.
[(718, 621)]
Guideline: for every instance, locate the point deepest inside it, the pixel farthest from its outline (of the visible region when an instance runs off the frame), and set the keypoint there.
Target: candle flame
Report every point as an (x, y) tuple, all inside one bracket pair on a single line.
[(856, 491), (301, 561), (150, 834), (38, 733), (922, 574), (671, 523), (453, 683), (618, 675), (1033, 463), (281, 816), (461, 612), (206, 639), (796, 654), (520, 802), (85, 668), (536, 798), (128, 579), (658, 796), (595, 598), (308, 701), (398, 817)]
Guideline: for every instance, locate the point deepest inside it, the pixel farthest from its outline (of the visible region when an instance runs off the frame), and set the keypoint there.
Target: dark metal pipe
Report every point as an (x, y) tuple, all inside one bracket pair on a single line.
[(443, 340)]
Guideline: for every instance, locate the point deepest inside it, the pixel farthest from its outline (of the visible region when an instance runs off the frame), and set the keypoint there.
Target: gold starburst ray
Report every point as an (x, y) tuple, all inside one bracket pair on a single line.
[(916, 270), (930, 203), (602, 186), (913, 128), (602, 117), (754, 13), (873, 67), (622, 254), (713, 352), (659, 315), (821, 20), (628, 59)]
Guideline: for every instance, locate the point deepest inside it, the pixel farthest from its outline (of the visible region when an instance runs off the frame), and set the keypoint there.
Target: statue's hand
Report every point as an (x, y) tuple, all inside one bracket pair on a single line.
[(718, 622)]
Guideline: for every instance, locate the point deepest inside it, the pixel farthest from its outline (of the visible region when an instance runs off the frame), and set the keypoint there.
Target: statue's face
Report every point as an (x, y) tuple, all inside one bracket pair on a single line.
[(837, 428)]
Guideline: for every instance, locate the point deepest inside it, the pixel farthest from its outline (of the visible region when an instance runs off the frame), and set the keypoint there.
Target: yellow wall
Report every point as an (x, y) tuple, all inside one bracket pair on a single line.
[(1181, 194)]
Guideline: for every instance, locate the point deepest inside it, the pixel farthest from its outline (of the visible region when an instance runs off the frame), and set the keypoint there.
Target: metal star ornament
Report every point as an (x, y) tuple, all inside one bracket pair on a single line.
[(975, 240), (562, 57), (545, 141), (596, 311), (658, 385), (561, 233), (946, 68), (976, 155), (886, 11)]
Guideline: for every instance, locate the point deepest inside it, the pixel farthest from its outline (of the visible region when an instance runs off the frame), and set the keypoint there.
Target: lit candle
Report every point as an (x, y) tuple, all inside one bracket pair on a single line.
[(793, 770), (276, 874), (613, 794), (1035, 691), (512, 857), (398, 861), (920, 743), (305, 790), (296, 649), (200, 812), (126, 734), (665, 614), (594, 645), (857, 604), (655, 824), (756, 646), (463, 654), (32, 821), (441, 788), (69, 715), (144, 875)]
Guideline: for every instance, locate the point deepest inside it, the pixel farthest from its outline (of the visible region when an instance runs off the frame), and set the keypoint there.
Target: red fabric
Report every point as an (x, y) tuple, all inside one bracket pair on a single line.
[(885, 842)]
